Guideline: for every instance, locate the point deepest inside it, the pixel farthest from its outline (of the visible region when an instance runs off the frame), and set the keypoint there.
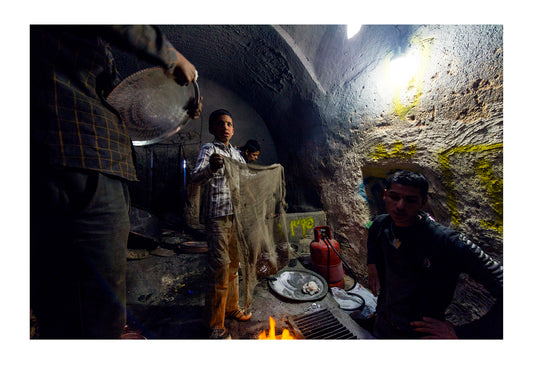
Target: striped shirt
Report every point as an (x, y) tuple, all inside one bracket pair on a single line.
[(218, 191), (72, 72)]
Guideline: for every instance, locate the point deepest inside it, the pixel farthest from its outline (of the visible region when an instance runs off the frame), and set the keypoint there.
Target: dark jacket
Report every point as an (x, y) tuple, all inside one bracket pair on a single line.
[(420, 276)]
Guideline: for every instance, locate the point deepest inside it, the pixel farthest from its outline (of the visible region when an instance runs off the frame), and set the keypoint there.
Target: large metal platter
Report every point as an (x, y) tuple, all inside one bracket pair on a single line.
[(288, 283), (152, 105)]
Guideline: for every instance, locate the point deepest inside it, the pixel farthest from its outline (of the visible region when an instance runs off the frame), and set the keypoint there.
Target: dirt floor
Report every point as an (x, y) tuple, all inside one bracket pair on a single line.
[(166, 301)]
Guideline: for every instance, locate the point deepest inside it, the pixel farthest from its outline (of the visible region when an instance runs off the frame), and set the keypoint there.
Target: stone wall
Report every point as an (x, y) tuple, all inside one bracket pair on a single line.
[(446, 122)]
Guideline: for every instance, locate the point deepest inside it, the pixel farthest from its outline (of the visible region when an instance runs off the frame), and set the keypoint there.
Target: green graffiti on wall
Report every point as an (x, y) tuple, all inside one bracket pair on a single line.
[(494, 188), (483, 168), (396, 150), (306, 224)]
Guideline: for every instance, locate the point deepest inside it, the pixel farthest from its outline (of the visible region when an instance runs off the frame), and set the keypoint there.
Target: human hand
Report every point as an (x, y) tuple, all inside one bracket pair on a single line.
[(184, 72), (373, 279), (434, 328), (194, 109), (216, 161)]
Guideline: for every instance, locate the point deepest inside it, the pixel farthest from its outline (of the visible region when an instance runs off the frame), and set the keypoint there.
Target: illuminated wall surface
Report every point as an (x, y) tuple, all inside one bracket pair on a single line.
[(433, 104)]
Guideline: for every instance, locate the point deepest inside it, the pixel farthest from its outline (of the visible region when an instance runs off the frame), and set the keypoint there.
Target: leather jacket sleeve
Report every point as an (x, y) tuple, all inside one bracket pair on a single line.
[(485, 270)]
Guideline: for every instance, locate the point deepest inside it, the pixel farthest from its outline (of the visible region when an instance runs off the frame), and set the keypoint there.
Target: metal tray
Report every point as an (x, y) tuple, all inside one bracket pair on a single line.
[(288, 283), (152, 105)]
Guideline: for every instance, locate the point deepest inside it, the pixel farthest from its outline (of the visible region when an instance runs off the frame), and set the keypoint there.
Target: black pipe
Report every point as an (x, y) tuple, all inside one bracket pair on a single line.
[(326, 239)]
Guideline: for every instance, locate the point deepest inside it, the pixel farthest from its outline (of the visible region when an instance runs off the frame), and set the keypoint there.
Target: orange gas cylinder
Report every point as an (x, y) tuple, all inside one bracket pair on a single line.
[(324, 259)]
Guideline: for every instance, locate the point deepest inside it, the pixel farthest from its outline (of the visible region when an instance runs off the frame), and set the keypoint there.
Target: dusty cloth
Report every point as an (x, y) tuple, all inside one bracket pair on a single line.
[(258, 198)]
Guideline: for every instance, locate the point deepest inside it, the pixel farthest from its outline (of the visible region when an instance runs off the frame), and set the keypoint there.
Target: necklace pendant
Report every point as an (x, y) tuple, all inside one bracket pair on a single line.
[(397, 243)]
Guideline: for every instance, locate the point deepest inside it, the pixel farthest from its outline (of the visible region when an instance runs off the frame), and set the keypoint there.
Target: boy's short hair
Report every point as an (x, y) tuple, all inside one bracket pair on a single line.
[(215, 115), (251, 146), (409, 178)]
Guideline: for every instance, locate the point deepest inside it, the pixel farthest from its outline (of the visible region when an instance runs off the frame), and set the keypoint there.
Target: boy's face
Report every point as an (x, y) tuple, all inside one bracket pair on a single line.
[(223, 129), (251, 156), (403, 203)]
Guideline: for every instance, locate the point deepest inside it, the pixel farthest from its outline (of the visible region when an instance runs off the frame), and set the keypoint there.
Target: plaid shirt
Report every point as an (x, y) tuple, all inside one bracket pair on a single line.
[(218, 193), (72, 72)]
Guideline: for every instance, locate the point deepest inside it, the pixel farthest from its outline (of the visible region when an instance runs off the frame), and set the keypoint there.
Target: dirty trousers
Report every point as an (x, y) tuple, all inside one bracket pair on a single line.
[(223, 269), (79, 228)]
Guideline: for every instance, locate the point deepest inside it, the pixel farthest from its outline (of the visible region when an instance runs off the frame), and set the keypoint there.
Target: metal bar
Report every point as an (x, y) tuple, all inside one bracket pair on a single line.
[(320, 332), (323, 321), (320, 325), (326, 326)]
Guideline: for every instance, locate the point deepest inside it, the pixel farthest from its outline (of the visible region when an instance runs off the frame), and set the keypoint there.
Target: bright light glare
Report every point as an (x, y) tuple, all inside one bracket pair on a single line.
[(403, 68), (352, 29)]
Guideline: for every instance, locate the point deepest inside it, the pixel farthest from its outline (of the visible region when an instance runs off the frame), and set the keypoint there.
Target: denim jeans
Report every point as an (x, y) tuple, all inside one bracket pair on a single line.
[(79, 228), (223, 269)]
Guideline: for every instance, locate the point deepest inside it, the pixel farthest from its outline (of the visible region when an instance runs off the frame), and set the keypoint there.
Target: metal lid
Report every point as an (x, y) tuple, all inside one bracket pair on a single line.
[(152, 105)]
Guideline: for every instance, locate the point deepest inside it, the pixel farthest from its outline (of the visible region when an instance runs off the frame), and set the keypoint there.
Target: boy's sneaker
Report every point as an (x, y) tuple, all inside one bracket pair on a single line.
[(239, 315)]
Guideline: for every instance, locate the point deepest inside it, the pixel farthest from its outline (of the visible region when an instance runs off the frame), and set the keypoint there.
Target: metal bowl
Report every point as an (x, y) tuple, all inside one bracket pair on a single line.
[(288, 283)]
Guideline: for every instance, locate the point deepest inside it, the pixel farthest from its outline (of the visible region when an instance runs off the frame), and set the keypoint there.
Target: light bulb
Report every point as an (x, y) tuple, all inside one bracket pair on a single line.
[(403, 68), (352, 29)]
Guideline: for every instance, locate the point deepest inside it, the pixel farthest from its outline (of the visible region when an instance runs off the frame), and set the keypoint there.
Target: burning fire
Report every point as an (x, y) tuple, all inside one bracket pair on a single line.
[(271, 335)]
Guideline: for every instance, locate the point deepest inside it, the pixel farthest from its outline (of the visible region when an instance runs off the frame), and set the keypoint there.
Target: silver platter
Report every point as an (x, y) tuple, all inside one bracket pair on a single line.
[(152, 105), (289, 283)]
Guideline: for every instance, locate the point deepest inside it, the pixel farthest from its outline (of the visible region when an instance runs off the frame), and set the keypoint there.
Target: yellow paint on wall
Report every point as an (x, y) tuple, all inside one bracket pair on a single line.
[(483, 169), (396, 150), (494, 188), (306, 224)]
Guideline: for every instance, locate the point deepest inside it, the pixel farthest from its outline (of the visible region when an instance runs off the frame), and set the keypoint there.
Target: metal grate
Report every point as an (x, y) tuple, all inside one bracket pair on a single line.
[(321, 324)]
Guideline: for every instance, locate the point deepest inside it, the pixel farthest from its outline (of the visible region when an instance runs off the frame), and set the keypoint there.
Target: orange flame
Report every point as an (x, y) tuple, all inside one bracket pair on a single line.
[(271, 335)]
